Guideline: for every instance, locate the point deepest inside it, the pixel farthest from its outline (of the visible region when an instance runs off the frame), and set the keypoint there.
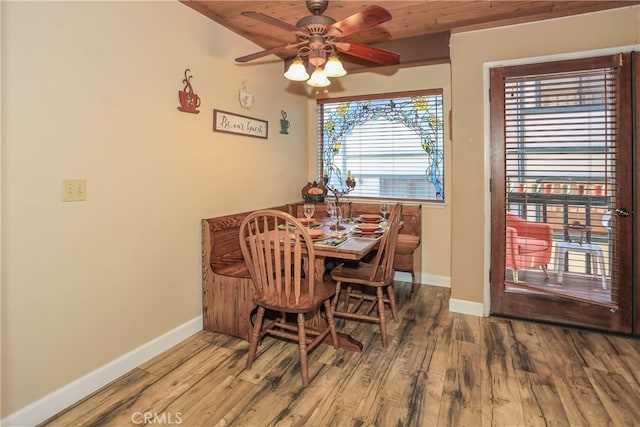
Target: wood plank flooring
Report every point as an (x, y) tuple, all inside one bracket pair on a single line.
[(440, 369)]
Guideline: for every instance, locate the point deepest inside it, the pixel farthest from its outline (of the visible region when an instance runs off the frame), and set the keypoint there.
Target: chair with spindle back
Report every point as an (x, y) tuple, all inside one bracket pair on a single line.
[(378, 274), (280, 257)]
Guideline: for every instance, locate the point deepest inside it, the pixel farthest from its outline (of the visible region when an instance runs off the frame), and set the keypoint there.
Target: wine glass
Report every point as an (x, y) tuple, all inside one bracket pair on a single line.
[(338, 211), (331, 204), (309, 209), (333, 213), (384, 209)]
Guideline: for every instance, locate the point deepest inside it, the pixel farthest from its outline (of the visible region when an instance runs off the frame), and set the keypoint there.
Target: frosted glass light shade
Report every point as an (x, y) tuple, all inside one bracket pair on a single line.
[(318, 78), (297, 71), (333, 67)]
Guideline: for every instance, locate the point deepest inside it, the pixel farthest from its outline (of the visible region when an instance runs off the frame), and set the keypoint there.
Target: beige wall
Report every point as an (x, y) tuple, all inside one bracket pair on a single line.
[(436, 246), (90, 91), (469, 51)]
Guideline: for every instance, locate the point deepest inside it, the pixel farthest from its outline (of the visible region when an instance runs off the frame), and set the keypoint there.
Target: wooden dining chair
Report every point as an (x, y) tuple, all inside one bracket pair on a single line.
[(280, 257), (357, 304)]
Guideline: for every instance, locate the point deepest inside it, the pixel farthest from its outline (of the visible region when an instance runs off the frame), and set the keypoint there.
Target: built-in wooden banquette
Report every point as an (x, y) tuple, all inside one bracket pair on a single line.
[(226, 283)]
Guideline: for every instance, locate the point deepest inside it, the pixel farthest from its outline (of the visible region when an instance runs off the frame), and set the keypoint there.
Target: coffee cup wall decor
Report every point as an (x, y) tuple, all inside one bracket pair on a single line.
[(189, 101)]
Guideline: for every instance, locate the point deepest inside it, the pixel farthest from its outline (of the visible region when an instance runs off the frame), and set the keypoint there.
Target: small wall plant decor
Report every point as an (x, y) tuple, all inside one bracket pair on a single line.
[(189, 101), (284, 123)]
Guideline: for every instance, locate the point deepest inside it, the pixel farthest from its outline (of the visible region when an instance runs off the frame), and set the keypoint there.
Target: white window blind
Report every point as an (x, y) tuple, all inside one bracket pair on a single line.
[(560, 126), (393, 144), (560, 165)]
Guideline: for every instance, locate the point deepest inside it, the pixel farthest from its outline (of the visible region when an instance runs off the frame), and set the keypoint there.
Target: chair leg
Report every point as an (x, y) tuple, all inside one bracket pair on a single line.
[(381, 318), (347, 298), (255, 337), (545, 270), (392, 302), (332, 324), (302, 344), (336, 297)]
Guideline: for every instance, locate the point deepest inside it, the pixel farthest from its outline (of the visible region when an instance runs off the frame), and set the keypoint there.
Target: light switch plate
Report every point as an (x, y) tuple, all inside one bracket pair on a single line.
[(74, 190)]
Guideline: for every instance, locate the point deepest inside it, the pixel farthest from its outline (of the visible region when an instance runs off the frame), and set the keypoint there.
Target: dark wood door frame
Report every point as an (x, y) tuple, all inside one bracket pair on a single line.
[(546, 307), (636, 186)]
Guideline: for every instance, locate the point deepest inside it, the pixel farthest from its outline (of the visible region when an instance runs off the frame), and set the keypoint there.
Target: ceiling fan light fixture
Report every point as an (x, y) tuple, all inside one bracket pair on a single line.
[(318, 36), (333, 67), (318, 78), (297, 71)]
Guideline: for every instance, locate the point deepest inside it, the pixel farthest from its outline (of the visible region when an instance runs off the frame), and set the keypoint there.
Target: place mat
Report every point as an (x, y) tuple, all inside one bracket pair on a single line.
[(293, 227), (350, 221), (331, 241), (332, 225), (281, 227), (368, 235), (313, 223)]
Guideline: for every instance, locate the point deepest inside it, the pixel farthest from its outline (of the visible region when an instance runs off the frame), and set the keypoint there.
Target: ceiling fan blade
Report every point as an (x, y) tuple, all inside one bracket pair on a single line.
[(271, 51), (373, 54), (269, 20), (370, 17)]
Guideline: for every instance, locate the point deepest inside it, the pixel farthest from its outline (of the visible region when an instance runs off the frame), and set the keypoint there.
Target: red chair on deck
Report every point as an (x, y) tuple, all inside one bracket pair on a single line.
[(528, 245)]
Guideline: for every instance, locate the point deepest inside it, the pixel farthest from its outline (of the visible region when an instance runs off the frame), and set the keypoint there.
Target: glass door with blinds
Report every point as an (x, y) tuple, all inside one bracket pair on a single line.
[(562, 192)]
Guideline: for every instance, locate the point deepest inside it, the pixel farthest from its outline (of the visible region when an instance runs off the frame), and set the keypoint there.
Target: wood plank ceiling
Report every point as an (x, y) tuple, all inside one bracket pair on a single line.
[(418, 31)]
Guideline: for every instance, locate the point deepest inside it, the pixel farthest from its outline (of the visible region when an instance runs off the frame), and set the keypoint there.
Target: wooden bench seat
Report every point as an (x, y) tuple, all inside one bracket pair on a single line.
[(407, 243), (230, 266), (227, 288)]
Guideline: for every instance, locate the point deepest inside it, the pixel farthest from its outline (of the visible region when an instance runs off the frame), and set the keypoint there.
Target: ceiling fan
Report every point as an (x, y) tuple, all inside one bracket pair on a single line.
[(319, 36)]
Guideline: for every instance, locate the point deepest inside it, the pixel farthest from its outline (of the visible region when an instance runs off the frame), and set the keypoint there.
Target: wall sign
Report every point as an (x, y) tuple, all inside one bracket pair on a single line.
[(224, 121)]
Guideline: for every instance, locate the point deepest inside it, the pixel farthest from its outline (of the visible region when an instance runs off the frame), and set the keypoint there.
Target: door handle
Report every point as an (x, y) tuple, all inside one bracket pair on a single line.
[(622, 212)]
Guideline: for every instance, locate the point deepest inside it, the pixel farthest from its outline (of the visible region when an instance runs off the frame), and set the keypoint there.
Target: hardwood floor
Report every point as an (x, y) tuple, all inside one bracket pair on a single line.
[(440, 369)]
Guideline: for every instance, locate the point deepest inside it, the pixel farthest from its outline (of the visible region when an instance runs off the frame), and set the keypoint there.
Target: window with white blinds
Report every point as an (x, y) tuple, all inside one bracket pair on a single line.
[(392, 144)]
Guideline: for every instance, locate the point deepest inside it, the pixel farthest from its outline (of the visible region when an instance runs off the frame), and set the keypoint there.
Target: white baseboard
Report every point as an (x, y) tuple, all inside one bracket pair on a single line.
[(455, 305), (401, 276), (433, 280), (466, 307), (424, 279), (66, 396)]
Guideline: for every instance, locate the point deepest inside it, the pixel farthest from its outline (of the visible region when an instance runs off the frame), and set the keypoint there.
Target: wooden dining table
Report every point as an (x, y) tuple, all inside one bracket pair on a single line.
[(354, 248)]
